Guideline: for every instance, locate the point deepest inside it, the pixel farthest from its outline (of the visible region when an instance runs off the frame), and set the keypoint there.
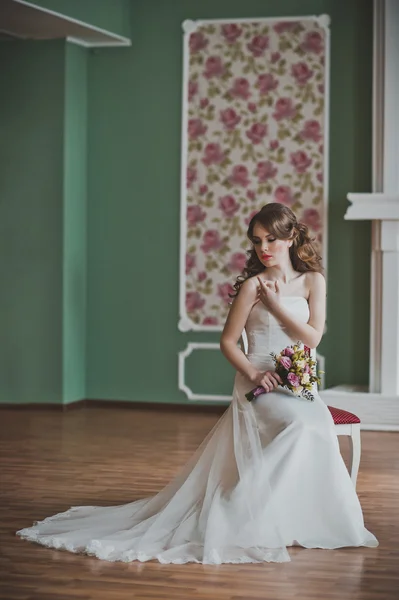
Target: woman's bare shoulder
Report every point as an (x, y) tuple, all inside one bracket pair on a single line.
[(248, 289), (315, 281), (251, 284)]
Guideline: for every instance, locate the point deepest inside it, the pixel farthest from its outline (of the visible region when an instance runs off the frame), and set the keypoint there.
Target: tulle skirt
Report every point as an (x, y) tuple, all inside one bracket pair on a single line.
[(268, 476)]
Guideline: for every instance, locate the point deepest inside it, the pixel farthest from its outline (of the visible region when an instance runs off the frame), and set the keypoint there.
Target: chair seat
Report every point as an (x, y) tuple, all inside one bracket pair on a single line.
[(342, 417)]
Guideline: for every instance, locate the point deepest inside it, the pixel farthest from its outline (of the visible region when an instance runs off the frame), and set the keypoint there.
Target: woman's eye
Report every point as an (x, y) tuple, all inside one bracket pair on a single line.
[(272, 239)]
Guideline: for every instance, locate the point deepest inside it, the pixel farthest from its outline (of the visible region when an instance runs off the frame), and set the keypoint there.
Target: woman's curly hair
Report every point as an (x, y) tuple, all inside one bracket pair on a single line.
[(280, 221)]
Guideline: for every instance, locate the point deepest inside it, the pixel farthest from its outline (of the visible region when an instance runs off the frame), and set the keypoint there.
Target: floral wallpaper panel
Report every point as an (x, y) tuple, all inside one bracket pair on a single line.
[(255, 134)]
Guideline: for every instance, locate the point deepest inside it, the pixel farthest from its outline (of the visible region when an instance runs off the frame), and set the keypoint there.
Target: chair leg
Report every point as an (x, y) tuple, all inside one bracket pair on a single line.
[(355, 449)]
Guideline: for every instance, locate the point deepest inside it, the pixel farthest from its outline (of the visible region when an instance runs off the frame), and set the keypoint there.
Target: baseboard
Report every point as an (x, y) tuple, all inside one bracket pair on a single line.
[(95, 403), (377, 412), (44, 406)]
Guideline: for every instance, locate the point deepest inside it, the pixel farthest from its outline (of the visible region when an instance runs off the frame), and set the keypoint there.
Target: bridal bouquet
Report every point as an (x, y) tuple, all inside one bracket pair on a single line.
[(297, 371)]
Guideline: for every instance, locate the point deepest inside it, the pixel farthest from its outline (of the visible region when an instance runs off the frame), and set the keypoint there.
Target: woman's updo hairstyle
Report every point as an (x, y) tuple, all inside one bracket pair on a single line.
[(281, 222)]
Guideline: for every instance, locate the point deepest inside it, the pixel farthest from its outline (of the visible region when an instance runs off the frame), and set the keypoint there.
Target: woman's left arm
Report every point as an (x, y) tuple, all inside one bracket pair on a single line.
[(309, 333)]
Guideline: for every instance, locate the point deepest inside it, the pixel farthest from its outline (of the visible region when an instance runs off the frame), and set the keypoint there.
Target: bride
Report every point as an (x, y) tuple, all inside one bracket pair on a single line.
[(269, 475)]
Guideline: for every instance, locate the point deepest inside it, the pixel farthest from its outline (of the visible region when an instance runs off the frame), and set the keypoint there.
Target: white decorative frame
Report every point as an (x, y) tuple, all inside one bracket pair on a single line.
[(191, 346), (185, 323), (182, 365)]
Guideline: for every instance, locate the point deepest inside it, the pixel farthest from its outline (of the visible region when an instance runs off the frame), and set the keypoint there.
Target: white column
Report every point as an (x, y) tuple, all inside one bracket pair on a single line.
[(389, 365), (391, 97), (382, 206), (390, 308)]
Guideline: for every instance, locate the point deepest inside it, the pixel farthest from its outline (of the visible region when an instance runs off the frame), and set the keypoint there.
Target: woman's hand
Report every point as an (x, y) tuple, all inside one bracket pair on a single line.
[(269, 294), (269, 380)]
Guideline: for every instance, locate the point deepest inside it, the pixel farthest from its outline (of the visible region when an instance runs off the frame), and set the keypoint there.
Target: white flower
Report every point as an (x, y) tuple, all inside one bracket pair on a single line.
[(297, 390), (305, 378), (301, 363)]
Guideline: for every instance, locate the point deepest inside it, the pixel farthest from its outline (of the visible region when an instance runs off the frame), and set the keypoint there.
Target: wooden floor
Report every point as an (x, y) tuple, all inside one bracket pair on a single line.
[(51, 461)]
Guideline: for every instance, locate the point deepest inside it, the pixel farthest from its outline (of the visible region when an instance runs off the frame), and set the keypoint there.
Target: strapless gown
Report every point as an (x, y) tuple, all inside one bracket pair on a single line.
[(269, 475)]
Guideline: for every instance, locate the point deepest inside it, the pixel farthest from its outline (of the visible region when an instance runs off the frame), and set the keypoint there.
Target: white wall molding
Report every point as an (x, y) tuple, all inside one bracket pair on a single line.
[(373, 206), (191, 347)]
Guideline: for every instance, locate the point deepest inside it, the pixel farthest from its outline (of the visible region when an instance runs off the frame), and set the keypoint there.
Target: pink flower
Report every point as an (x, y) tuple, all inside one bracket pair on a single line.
[(237, 262), (240, 88), (224, 289), (190, 262), (275, 56), (203, 189), (194, 301), (239, 175), (300, 161), (197, 42), (285, 362), (231, 32), (228, 205), (251, 107), (320, 177), (284, 109), (288, 351), (311, 131), (311, 218), (266, 83), (282, 26), (192, 89), (313, 42), (229, 118), (293, 379), (250, 216), (265, 170), (210, 321), (196, 128), (213, 154), (213, 67), (201, 276), (307, 369), (211, 241), (204, 102), (191, 176), (274, 144), (195, 214), (301, 72), (321, 148), (251, 195), (258, 45), (257, 132), (283, 194)]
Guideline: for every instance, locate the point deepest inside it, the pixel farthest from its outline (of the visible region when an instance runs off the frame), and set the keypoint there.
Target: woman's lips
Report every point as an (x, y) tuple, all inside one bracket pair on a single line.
[(266, 256)]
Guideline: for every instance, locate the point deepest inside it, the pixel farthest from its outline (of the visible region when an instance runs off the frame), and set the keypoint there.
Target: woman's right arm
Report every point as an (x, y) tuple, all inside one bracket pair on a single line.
[(235, 323)]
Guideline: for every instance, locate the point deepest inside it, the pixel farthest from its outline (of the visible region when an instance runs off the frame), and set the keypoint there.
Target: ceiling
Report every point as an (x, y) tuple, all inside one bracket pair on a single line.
[(21, 21)]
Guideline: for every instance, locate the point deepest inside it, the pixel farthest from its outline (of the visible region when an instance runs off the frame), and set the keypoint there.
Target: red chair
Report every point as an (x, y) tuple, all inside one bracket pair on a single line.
[(347, 423)]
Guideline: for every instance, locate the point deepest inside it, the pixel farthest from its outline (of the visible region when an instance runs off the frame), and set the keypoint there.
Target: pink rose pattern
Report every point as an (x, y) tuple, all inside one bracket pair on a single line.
[(255, 129)]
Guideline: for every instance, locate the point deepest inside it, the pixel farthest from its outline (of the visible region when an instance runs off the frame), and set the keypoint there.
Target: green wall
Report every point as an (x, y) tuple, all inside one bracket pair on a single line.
[(75, 224), (31, 172), (90, 200), (111, 15), (43, 202), (133, 212)]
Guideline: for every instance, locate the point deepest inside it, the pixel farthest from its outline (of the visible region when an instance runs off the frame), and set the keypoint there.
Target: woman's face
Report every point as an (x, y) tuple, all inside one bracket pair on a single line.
[(270, 250)]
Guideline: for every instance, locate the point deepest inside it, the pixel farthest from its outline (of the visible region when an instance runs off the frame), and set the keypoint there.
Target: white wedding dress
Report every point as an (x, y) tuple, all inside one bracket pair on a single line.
[(269, 475)]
